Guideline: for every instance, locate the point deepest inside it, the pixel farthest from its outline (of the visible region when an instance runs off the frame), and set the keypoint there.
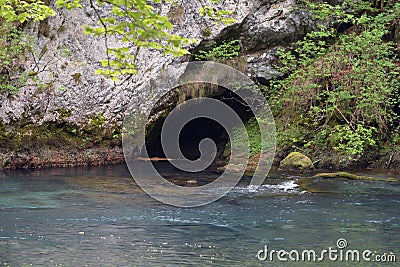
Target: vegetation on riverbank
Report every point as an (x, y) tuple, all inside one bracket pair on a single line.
[(338, 100), (341, 91)]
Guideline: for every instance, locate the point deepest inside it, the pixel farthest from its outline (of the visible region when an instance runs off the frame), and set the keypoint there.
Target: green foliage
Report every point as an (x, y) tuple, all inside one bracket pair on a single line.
[(395, 144), (21, 11), (97, 122), (226, 50), (206, 32), (219, 16), (351, 141), (254, 138), (13, 46), (68, 4), (65, 51), (342, 88)]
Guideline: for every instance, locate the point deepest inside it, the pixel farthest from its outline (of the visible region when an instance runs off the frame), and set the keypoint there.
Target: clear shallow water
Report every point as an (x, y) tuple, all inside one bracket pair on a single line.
[(99, 217)]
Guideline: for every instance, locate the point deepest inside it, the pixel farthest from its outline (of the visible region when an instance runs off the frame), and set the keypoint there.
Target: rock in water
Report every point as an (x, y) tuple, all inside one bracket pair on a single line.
[(352, 176), (296, 161)]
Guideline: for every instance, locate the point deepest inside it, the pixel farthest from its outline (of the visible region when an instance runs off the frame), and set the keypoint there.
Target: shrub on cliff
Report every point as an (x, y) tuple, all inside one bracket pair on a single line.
[(14, 44)]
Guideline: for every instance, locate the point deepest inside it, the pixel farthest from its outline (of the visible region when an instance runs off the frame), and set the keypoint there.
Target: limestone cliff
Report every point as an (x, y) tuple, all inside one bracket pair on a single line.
[(78, 101)]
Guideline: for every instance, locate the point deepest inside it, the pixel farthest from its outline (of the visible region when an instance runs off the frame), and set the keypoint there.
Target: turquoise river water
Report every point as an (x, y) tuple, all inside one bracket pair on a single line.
[(98, 216)]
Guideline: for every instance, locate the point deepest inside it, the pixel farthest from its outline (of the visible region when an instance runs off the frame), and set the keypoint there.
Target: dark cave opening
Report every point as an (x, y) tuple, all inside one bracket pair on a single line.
[(197, 129)]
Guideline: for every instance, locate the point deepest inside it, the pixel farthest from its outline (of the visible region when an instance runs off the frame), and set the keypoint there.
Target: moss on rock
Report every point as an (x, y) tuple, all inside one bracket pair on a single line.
[(354, 176), (296, 161), (24, 144)]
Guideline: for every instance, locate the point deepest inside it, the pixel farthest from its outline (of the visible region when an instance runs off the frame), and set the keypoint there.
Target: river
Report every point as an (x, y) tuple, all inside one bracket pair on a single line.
[(98, 216)]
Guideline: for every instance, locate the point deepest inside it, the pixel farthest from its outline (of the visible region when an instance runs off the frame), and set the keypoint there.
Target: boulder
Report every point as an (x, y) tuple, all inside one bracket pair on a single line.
[(296, 161)]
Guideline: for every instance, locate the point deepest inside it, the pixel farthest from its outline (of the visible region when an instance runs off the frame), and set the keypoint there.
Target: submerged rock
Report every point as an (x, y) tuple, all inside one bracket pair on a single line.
[(296, 161), (310, 185), (354, 176), (327, 182)]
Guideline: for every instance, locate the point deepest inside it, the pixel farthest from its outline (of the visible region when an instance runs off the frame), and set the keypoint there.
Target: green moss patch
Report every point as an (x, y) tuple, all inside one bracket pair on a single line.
[(26, 137)]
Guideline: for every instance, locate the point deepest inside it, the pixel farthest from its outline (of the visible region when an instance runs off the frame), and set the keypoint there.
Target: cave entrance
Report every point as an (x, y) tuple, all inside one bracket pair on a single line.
[(195, 130)]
